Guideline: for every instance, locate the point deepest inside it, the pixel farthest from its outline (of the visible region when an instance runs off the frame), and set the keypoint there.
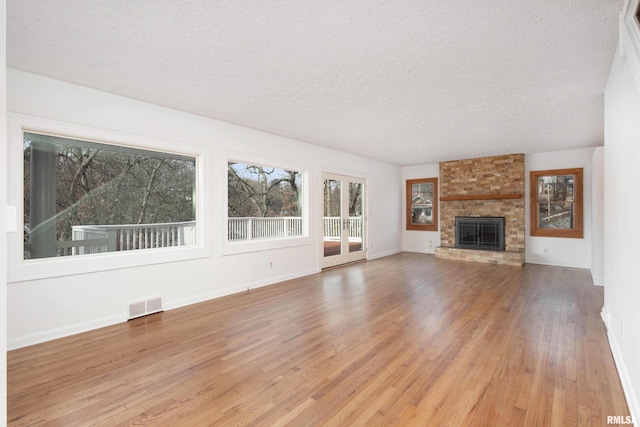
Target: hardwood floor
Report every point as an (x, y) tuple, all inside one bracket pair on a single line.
[(404, 340)]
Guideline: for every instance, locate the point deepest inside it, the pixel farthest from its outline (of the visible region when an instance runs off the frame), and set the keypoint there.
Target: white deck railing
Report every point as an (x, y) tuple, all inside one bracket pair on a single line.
[(333, 227), (247, 228), (89, 239)]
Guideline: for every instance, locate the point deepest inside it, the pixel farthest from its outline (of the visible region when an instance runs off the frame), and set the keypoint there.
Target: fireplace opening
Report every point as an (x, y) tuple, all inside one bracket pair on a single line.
[(480, 233)]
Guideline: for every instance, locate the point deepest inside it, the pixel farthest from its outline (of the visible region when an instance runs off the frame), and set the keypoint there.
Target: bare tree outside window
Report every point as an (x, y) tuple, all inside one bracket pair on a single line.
[(85, 197), (263, 201)]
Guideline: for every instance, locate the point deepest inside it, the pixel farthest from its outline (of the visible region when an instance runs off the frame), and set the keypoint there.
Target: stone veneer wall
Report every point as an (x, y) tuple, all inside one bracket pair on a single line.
[(485, 176)]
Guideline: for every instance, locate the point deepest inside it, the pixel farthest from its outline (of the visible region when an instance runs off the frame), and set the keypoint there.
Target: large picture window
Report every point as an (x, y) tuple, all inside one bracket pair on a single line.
[(422, 204), (263, 202), (84, 197), (556, 203), (90, 199)]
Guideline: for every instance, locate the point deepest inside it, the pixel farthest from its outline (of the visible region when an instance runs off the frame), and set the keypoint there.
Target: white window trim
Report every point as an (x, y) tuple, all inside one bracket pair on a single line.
[(23, 270), (245, 246)]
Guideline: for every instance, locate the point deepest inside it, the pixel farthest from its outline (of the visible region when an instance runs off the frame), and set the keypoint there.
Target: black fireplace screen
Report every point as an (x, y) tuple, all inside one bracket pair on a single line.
[(480, 233)]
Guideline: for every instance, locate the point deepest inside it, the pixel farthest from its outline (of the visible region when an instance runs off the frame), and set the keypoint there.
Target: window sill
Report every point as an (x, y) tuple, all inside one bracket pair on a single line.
[(24, 270), (257, 245)]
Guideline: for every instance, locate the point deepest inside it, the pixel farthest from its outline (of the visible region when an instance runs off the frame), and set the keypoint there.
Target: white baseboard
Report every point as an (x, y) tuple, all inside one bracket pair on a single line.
[(419, 251), (623, 373), (606, 317), (65, 331), (383, 254), (170, 305), (554, 262), (597, 280)]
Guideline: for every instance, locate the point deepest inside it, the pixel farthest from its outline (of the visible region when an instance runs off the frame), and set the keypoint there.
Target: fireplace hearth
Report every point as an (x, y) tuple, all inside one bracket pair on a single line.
[(485, 233)]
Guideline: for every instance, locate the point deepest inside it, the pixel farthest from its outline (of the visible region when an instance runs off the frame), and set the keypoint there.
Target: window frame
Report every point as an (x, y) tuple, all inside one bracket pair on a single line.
[(43, 268), (577, 232), (434, 208), (245, 246)]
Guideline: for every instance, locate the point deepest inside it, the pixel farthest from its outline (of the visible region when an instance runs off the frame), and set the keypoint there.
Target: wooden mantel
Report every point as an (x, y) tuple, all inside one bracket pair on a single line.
[(480, 197)]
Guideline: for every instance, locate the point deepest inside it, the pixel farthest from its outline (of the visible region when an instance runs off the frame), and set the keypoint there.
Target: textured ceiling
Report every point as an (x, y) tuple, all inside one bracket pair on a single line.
[(406, 82)]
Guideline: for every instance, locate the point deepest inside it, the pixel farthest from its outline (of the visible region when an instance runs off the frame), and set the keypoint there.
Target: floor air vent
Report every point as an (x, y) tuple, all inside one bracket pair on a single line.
[(142, 308)]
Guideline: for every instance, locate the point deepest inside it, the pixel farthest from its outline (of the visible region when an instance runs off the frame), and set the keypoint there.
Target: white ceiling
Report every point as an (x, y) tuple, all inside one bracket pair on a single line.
[(404, 81)]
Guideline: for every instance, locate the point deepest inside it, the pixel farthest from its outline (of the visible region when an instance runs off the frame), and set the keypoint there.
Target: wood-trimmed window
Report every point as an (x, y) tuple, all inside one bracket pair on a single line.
[(556, 203), (422, 204)]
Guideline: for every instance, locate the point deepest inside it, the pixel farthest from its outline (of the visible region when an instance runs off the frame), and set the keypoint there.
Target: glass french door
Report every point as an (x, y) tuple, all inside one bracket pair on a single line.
[(344, 220)]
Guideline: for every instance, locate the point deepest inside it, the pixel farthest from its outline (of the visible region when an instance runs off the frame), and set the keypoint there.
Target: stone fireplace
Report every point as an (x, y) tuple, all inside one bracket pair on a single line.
[(491, 187)]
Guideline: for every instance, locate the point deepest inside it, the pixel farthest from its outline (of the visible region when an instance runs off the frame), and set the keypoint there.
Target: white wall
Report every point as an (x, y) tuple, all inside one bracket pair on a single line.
[(3, 198), (554, 250), (39, 310), (597, 217), (622, 207), (412, 240)]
